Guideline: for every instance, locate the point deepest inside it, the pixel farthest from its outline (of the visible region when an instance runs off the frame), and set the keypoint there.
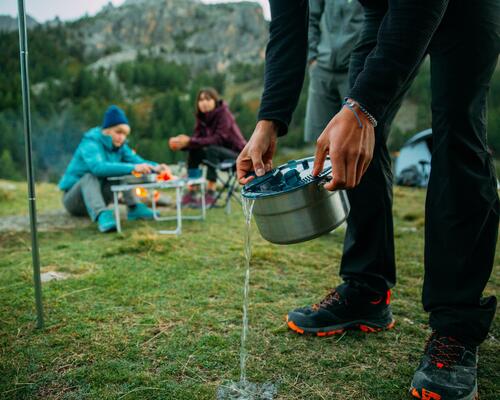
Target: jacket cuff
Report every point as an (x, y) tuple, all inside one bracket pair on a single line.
[(281, 126)]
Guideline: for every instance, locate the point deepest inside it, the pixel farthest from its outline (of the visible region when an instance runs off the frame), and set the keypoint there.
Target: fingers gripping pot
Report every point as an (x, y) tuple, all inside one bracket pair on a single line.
[(292, 206)]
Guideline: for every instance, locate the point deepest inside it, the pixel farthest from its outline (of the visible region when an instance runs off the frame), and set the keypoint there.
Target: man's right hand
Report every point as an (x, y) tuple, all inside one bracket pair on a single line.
[(143, 168), (257, 155)]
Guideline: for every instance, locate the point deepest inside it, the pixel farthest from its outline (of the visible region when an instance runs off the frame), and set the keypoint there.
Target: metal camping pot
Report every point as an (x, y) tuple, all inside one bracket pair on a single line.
[(135, 179), (292, 206)]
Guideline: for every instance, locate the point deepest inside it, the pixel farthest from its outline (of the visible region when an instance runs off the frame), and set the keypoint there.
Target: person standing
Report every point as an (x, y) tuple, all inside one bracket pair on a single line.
[(334, 28), (461, 228)]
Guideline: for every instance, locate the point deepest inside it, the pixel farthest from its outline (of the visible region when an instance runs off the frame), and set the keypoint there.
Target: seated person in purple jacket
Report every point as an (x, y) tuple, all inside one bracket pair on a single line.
[(104, 152), (216, 137)]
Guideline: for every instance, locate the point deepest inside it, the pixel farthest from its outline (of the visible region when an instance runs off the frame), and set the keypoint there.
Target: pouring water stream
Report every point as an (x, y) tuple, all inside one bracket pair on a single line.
[(247, 211), (245, 390)]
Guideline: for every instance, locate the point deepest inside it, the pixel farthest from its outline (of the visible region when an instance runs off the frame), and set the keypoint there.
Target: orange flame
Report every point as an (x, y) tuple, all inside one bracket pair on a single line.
[(141, 192), (164, 176)]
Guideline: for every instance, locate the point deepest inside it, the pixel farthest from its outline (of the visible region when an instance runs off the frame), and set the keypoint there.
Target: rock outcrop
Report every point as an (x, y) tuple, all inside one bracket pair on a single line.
[(203, 36)]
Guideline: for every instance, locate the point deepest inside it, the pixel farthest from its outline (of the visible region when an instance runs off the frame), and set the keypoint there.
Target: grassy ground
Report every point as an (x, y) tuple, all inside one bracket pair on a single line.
[(158, 317)]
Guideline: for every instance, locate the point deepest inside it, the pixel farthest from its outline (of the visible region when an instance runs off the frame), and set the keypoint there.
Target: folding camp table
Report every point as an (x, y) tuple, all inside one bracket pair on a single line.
[(177, 184)]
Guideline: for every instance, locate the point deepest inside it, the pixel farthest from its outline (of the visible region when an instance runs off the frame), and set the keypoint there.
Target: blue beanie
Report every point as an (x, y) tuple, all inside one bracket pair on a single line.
[(114, 115)]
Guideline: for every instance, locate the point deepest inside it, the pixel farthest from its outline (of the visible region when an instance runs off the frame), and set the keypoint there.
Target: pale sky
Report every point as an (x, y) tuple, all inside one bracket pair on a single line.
[(44, 10)]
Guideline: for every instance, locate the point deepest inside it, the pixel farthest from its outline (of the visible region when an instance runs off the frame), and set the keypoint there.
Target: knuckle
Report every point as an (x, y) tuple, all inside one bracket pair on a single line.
[(350, 153), (340, 182), (322, 143)]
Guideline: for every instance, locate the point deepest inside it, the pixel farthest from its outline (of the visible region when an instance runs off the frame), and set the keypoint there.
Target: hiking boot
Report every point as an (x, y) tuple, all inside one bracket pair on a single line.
[(139, 211), (106, 221), (448, 371), (209, 199), (343, 309), (189, 200)]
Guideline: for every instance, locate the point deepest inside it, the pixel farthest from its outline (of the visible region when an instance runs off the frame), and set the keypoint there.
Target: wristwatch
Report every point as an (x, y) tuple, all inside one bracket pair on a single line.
[(353, 103)]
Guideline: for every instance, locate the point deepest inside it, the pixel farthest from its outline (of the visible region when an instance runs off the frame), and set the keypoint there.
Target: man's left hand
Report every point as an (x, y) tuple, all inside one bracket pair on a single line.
[(350, 148)]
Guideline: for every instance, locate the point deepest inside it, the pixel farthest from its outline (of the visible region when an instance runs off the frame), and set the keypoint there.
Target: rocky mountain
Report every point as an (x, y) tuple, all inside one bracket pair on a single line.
[(203, 36), (8, 23)]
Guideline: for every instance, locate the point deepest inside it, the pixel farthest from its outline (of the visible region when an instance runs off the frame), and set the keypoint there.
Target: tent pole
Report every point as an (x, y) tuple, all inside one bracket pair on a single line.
[(23, 47)]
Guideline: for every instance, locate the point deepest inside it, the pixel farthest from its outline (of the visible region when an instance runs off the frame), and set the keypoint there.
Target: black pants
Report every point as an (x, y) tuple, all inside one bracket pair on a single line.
[(462, 206), (214, 154)]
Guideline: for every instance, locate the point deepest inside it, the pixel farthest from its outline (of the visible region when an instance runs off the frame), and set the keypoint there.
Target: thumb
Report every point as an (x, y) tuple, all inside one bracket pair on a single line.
[(258, 165)]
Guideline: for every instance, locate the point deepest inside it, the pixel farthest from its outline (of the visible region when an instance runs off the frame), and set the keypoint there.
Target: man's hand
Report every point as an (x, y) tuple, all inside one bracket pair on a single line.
[(257, 155), (143, 168), (350, 148)]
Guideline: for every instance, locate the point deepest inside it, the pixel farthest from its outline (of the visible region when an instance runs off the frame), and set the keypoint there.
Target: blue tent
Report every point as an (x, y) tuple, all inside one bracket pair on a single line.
[(413, 164)]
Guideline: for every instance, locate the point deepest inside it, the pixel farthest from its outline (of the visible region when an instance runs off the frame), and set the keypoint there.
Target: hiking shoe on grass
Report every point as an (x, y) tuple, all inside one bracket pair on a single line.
[(339, 311), (139, 211), (189, 200), (209, 199), (106, 221), (448, 371)]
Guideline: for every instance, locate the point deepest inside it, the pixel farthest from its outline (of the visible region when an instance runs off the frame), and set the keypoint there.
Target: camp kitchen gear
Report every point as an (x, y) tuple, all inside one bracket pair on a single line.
[(292, 206), (133, 179)]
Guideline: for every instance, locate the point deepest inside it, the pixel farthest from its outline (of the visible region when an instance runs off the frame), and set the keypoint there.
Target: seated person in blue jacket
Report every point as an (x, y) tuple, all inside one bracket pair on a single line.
[(104, 152)]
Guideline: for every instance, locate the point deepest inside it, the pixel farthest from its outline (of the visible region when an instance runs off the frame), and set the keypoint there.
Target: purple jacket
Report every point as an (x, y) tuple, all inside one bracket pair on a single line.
[(217, 128)]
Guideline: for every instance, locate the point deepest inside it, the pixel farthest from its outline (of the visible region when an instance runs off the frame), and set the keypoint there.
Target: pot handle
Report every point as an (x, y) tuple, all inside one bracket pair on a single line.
[(324, 180), (323, 177), (259, 180)]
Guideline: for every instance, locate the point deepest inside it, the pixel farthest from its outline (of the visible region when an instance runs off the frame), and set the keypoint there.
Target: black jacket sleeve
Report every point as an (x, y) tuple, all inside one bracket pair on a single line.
[(286, 55), (402, 42)]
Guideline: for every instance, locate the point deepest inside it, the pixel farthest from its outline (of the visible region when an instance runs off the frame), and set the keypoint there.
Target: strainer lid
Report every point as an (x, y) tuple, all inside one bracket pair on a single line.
[(288, 177)]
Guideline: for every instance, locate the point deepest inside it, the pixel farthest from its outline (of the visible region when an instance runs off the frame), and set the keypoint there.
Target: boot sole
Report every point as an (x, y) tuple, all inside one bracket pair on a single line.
[(108, 229), (364, 326), (434, 396)]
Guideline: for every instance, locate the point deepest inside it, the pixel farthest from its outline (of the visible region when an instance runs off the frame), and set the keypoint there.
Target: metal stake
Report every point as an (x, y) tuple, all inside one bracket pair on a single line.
[(23, 47)]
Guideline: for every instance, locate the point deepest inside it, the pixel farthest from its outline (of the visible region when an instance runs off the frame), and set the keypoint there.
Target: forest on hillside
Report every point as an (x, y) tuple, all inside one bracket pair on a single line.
[(68, 97)]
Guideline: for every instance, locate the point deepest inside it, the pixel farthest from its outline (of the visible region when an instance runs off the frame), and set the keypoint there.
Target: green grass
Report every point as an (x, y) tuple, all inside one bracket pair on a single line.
[(14, 197), (159, 317)]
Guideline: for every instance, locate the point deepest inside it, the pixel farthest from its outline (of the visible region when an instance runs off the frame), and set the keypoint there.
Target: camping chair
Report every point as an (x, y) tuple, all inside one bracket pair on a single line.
[(226, 176)]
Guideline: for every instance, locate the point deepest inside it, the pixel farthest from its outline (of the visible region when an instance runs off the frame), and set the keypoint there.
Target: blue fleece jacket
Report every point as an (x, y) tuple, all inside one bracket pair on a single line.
[(96, 155)]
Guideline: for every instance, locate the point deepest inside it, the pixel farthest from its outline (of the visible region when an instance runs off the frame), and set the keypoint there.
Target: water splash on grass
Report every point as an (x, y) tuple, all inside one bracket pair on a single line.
[(246, 391)]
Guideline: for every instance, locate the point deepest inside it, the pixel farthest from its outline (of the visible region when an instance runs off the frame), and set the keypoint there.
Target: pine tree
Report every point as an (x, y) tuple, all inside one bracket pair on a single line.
[(8, 170)]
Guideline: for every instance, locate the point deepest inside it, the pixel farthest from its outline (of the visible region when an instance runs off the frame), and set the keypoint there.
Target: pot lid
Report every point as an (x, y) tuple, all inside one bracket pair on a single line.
[(288, 177)]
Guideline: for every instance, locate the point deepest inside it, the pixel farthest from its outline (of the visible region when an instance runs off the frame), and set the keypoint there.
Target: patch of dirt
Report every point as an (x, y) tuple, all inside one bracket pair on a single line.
[(49, 221), (53, 276)]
